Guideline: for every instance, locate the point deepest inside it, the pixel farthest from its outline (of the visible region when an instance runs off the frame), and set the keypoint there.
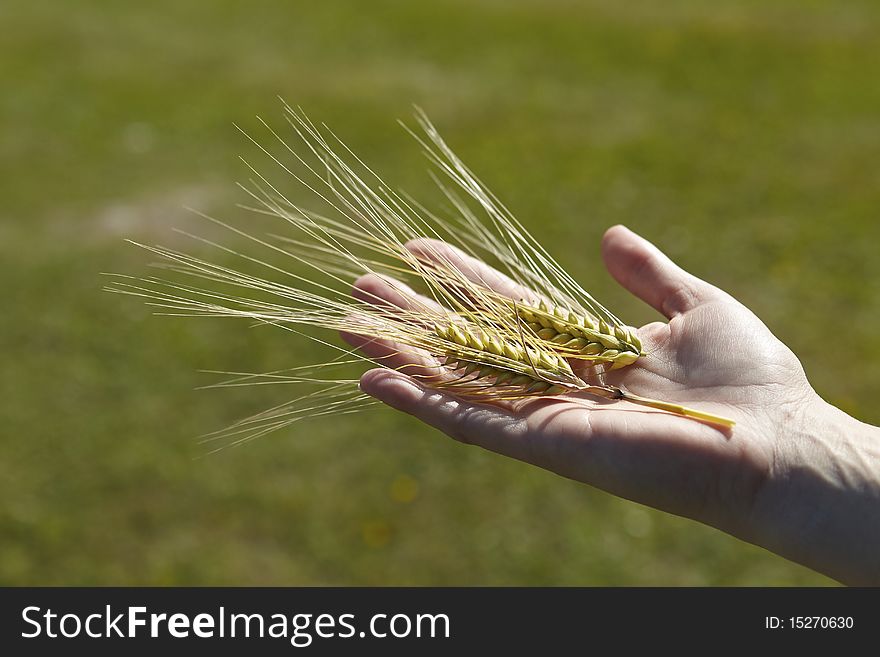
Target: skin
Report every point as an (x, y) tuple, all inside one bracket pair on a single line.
[(795, 475)]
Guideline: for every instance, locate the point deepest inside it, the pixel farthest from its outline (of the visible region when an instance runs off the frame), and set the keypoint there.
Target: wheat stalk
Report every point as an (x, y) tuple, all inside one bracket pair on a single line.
[(463, 335)]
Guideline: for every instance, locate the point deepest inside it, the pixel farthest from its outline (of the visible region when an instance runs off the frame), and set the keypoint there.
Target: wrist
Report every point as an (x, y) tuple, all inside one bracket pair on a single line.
[(819, 505)]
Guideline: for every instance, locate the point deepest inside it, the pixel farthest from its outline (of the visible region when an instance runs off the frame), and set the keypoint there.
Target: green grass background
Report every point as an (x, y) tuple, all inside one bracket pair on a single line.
[(742, 137)]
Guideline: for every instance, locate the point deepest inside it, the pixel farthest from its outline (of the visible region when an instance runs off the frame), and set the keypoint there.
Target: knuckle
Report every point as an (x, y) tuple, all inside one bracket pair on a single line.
[(681, 298)]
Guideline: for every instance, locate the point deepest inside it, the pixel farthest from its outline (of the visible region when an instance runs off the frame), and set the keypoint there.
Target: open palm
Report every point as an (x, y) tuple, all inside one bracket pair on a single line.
[(713, 354)]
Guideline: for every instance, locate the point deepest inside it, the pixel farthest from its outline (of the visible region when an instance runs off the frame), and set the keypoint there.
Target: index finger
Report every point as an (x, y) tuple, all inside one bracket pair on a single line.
[(474, 270)]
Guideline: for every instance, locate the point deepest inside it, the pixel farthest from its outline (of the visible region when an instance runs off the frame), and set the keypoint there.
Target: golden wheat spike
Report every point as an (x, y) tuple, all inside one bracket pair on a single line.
[(460, 335)]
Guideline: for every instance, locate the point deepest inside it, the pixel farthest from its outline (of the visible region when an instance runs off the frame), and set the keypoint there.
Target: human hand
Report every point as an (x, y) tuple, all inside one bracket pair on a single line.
[(774, 479)]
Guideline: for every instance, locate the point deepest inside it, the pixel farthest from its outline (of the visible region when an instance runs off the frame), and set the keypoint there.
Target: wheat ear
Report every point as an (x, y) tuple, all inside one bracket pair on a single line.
[(579, 337), (462, 336)]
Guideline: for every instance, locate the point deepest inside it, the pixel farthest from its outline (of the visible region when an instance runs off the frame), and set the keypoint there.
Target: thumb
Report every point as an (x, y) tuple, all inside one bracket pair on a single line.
[(648, 273)]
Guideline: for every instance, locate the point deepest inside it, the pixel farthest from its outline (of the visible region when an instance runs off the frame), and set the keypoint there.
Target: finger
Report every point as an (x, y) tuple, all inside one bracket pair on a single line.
[(649, 274), (476, 271), (388, 292), (394, 355), (669, 462), (490, 427)]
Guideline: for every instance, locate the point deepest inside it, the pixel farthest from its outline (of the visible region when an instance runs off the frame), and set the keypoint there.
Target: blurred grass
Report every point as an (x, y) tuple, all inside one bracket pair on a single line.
[(743, 137)]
